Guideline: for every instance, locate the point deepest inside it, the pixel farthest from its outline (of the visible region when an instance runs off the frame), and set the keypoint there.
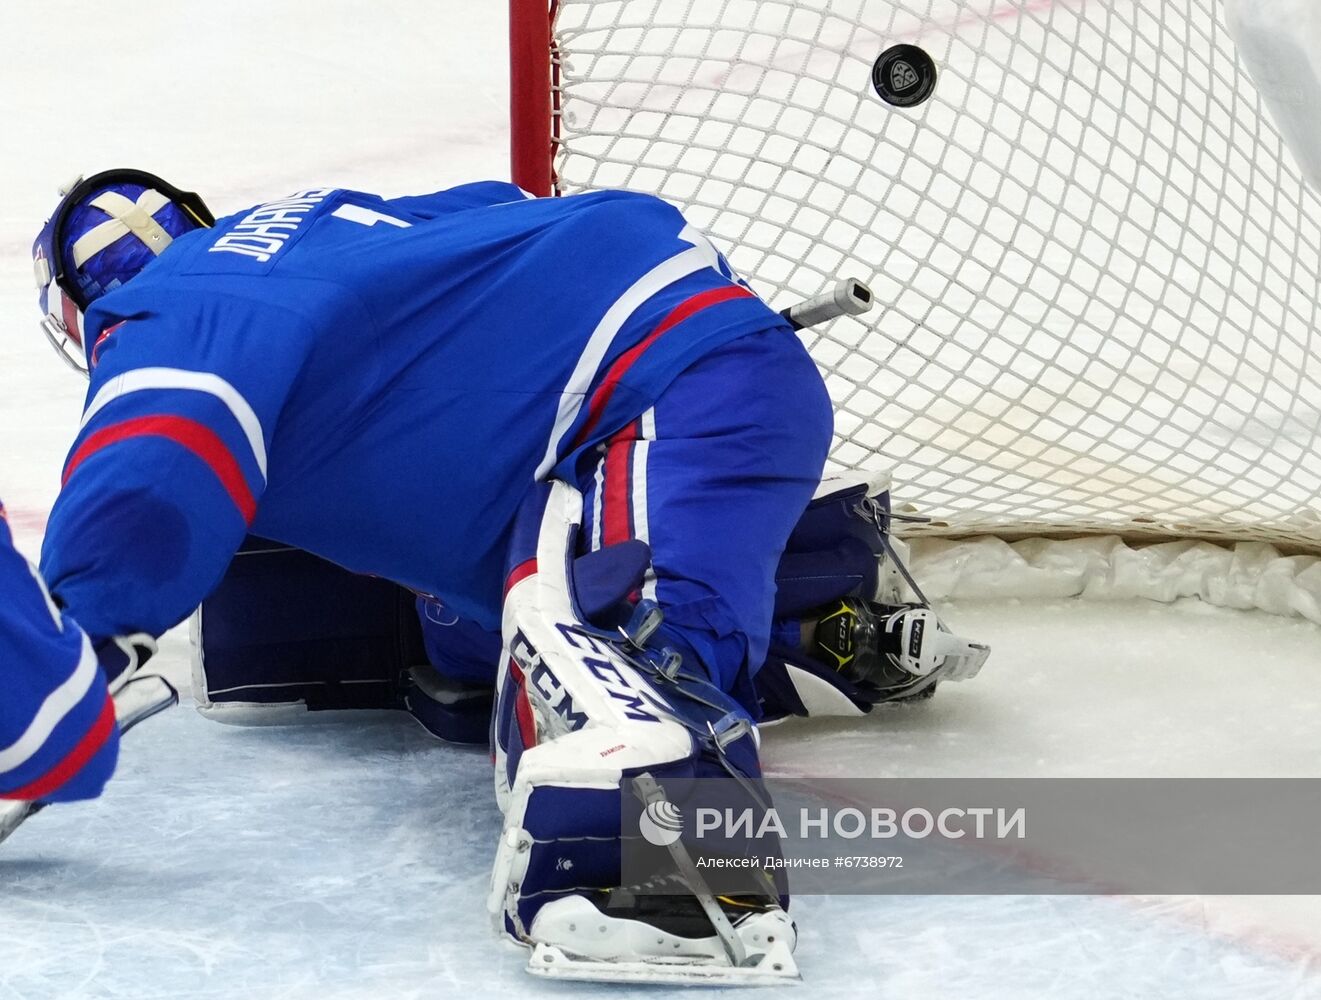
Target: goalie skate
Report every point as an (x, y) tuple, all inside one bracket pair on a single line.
[(669, 942), (688, 935)]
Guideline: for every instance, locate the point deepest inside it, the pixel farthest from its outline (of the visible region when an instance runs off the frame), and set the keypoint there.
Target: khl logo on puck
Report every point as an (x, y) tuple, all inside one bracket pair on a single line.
[(661, 823), (904, 75)]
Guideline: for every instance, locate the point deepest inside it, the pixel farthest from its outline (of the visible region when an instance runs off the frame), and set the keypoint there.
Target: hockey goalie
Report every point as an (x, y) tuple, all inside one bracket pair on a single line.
[(585, 449)]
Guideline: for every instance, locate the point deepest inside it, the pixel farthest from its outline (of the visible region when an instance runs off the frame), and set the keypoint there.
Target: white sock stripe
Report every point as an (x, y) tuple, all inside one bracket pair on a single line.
[(641, 523), (649, 424), (574, 394), (58, 704), (141, 379), (598, 487)]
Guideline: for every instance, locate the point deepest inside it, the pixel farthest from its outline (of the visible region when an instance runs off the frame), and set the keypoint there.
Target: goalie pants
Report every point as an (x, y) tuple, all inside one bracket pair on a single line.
[(713, 478)]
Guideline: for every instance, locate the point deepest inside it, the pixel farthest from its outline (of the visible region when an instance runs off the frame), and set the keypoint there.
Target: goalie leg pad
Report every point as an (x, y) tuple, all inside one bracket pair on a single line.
[(578, 714), (286, 632)]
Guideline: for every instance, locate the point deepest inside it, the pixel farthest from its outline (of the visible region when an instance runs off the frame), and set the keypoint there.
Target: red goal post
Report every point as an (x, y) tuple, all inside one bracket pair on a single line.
[(530, 95)]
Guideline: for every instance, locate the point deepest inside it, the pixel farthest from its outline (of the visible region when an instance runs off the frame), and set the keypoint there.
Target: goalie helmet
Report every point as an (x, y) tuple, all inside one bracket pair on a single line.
[(104, 231)]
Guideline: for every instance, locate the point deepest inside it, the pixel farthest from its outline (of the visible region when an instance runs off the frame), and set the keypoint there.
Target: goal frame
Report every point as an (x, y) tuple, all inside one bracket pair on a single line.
[(537, 150)]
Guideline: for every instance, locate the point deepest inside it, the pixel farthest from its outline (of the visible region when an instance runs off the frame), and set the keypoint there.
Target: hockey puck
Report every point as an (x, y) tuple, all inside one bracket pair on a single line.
[(904, 75)]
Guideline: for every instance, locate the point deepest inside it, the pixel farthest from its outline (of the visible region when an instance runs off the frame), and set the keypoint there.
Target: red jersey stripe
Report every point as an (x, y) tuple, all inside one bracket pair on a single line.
[(684, 310), (87, 748), (197, 438)]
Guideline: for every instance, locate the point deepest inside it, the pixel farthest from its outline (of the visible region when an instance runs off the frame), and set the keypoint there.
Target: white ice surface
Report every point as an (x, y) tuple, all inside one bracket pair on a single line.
[(350, 859)]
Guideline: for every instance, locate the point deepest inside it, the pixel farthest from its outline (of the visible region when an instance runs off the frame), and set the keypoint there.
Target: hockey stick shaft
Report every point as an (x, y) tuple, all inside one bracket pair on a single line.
[(849, 297)]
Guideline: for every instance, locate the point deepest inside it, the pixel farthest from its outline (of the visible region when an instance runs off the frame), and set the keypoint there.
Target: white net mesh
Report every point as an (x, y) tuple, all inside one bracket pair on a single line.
[(1097, 269)]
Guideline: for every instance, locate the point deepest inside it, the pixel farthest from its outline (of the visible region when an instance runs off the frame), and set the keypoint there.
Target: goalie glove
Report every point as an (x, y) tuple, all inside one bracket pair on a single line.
[(137, 695)]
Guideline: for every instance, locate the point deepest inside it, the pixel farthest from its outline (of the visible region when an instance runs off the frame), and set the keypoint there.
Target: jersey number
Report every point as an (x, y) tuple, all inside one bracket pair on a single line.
[(368, 216)]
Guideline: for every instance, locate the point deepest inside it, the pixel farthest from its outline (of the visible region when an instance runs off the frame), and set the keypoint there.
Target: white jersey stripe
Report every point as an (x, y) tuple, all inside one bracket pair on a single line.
[(58, 704), (575, 391), (140, 379), (45, 595)]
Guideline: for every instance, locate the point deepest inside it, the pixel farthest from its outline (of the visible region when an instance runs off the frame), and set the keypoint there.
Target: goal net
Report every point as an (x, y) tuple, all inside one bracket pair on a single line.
[(1096, 266)]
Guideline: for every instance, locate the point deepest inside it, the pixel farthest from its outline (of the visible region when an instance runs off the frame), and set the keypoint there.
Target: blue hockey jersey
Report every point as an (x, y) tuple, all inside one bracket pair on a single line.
[(377, 382), (58, 737)]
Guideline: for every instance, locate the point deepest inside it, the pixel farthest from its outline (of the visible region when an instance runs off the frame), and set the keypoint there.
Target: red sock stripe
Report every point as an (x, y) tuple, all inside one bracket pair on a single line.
[(689, 307), (617, 494), (58, 776), (197, 438), (520, 573)]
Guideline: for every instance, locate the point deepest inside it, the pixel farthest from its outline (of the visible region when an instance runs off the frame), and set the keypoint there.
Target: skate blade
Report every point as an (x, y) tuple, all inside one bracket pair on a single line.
[(775, 967)]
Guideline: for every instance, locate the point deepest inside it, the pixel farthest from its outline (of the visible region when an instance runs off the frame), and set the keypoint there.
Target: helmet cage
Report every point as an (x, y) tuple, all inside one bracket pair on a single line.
[(62, 299)]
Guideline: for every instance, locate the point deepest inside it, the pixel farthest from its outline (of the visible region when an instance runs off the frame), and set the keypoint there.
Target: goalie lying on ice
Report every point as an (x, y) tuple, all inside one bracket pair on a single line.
[(385, 384)]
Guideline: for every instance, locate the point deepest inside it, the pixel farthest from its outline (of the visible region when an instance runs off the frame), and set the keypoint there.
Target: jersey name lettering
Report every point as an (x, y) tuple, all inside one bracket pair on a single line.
[(263, 232)]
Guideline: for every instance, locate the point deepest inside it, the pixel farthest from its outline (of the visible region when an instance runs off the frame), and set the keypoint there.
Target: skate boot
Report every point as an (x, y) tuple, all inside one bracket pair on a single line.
[(895, 651)]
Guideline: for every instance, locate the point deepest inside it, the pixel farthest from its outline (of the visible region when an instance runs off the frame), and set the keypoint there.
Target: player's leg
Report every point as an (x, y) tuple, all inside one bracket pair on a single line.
[(713, 479), (852, 628)]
